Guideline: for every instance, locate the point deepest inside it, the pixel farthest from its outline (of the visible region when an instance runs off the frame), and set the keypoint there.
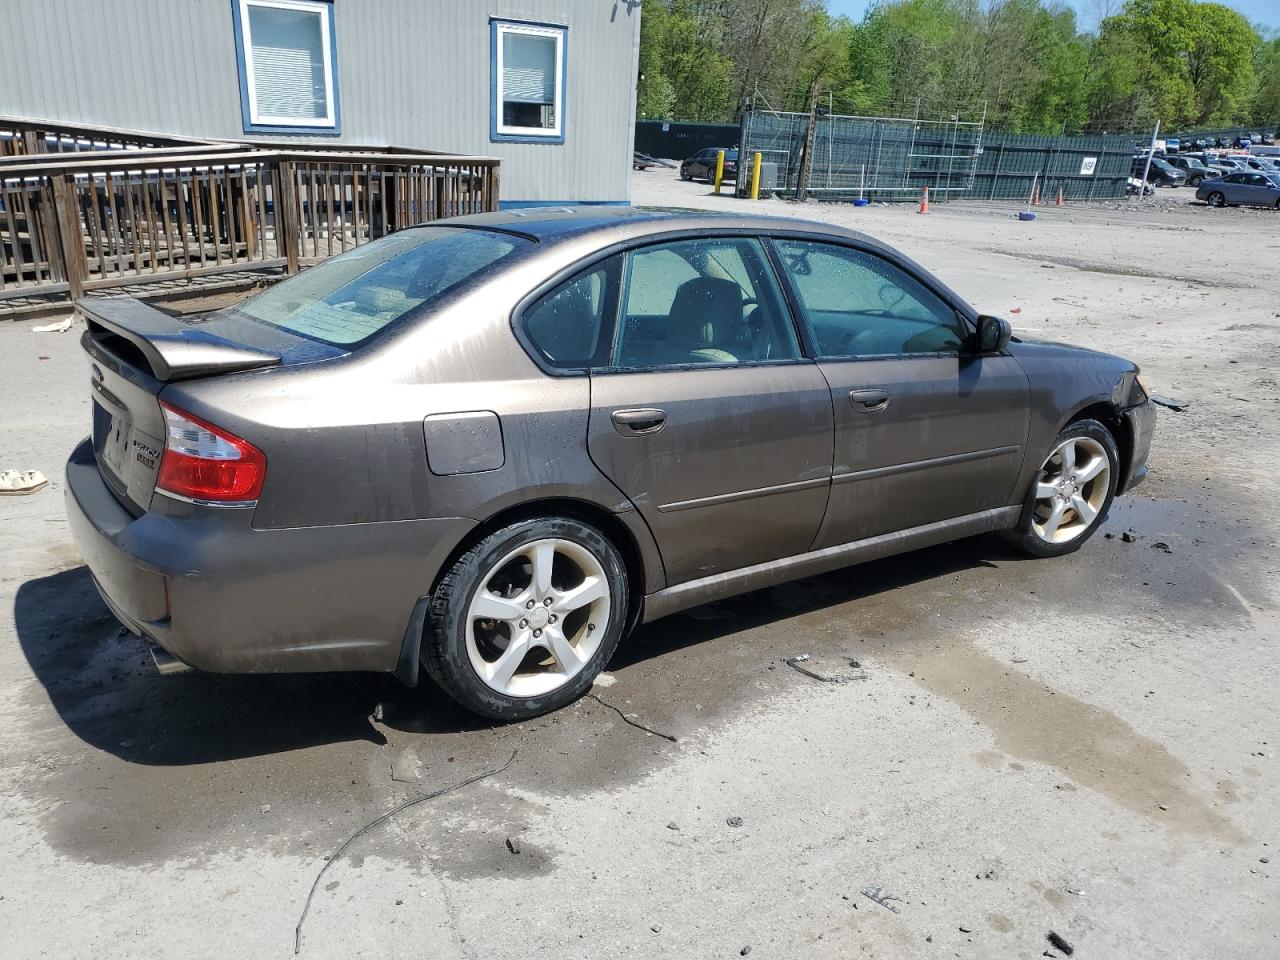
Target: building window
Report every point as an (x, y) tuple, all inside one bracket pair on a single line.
[(528, 70), (288, 77)]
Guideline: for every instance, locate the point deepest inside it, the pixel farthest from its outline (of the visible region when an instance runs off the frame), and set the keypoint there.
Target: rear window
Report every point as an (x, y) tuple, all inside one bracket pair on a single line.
[(347, 299)]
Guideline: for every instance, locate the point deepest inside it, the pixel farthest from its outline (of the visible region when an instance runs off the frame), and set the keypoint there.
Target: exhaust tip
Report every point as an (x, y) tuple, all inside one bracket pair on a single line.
[(166, 662)]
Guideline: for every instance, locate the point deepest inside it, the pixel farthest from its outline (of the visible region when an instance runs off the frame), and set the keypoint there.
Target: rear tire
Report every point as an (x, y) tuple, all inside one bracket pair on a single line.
[(523, 622), (1070, 493)]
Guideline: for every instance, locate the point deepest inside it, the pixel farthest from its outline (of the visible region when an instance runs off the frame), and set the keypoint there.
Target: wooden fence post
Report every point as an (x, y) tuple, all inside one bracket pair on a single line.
[(66, 227), (494, 181), (288, 229)]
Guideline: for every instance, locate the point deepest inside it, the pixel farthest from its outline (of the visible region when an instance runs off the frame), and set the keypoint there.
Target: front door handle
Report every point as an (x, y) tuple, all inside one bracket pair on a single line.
[(639, 422), (869, 401)]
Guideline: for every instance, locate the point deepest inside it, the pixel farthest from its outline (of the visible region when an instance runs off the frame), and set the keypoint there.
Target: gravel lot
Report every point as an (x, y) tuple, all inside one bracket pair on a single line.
[(1085, 745)]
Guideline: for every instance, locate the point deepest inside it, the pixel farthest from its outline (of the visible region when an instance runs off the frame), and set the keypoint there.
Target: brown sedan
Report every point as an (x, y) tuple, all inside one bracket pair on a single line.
[(489, 447)]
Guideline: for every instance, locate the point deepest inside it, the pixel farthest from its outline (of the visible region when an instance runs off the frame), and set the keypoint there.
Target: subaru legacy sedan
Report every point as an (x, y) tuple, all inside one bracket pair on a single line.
[(489, 447)]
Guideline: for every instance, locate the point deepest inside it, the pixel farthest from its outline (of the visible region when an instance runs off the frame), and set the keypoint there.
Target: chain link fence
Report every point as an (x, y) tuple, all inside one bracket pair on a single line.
[(895, 158)]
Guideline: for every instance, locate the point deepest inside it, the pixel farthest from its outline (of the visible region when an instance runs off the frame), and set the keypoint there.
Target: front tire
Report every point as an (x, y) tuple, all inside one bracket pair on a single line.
[(523, 622), (1070, 493), (1216, 199)]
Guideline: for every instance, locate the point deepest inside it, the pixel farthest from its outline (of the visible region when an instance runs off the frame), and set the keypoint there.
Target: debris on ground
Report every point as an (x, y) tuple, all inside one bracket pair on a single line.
[(673, 825), (745, 950), (1129, 536), (1060, 944), (1175, 405), (794, 663), (513, 844), (733, 821), (407, 767), (329, 860), (630, 718), (58, 326), (656, 928), (1161, 545), (265, 808), (604, 680), (883, 897), (18, 483)]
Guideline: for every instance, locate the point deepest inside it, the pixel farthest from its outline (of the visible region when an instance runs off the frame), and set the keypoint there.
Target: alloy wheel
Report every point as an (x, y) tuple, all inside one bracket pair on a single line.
[(1217, 200), (537, 617), (1071, 490)]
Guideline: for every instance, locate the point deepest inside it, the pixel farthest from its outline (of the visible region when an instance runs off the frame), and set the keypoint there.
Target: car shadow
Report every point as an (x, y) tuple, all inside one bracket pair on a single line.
[(760, 608), (100, 680)]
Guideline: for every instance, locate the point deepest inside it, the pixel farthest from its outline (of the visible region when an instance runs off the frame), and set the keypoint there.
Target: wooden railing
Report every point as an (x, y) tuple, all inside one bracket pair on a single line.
[(80, 221), (21, 136)]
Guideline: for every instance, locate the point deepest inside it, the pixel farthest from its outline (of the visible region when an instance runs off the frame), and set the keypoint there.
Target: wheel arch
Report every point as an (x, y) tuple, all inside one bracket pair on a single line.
[(1110, 416), (644, 571)]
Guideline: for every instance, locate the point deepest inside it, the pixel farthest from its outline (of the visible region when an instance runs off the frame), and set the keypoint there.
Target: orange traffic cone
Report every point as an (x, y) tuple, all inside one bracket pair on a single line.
[(1058, 203), (924, 201)]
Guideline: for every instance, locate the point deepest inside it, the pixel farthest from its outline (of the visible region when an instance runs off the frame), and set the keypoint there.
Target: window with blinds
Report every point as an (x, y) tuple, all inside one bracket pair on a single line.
[(528, 74), (287, 64)]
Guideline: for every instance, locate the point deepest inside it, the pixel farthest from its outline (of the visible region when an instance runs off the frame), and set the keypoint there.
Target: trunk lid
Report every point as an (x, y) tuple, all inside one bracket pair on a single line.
[(135, 350)]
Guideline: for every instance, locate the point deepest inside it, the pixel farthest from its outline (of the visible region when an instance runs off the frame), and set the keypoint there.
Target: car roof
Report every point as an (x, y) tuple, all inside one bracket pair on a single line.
[(556, 224)]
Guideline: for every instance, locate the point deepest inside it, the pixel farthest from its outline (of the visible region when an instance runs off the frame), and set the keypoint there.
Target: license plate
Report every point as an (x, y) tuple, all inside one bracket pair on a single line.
[(111, 436)]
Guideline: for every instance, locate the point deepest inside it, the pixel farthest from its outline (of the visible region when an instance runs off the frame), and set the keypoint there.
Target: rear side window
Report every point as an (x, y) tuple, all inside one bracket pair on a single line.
[(347, 299), (701, 302), (566, 325), (860, 305)]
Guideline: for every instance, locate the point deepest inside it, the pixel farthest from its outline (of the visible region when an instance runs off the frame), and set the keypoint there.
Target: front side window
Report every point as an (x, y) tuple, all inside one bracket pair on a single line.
[(528, 82), (288, 79), (700, 302), (860, 305), (347, 299)]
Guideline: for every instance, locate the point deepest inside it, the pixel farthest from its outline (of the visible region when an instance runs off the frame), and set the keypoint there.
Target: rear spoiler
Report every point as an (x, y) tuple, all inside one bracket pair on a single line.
[(173, 349)]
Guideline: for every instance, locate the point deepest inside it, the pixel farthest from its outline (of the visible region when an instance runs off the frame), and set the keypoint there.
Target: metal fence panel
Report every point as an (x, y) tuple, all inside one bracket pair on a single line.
[(894, 158)]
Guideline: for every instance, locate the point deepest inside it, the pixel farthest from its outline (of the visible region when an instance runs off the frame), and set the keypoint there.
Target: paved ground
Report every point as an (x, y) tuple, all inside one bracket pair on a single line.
[(1083, 745)]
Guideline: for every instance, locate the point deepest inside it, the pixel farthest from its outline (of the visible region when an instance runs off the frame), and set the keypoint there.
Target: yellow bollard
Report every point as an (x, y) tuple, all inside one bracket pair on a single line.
[(719, 168), (755, 176)]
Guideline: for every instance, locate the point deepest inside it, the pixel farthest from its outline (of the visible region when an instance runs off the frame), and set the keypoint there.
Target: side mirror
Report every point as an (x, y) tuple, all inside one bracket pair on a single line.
[(993, 334)]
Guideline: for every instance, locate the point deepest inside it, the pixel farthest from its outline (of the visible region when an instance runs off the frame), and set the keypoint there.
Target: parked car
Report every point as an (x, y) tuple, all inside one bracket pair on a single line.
[(490, 446), (1242, 143), (1236, 189), (1210, 163), (702, 165), (1195, 171), (1172, 145), (1160, 173)]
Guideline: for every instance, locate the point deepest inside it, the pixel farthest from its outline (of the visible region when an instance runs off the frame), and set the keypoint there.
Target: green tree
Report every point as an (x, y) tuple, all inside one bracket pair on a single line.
[(1220, 64), (1266, 103)]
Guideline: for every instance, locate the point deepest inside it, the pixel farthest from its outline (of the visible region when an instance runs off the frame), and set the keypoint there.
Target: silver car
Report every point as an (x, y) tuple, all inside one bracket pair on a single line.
[(1236, 189)]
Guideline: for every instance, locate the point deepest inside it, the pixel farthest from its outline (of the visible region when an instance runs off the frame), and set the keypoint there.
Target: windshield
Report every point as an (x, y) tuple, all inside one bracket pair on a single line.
[(346, 299)]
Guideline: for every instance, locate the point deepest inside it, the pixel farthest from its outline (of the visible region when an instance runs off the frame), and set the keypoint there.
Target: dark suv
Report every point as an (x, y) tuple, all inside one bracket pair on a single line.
[(1195, 171), (1161, 174)]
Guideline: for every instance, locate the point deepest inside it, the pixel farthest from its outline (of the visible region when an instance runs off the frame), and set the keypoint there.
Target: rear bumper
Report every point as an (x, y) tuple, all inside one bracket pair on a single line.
[(1142, 424), (221, 596)]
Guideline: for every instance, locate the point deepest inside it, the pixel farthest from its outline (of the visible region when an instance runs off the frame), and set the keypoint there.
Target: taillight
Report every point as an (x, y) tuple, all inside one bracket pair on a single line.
[(204, 462)]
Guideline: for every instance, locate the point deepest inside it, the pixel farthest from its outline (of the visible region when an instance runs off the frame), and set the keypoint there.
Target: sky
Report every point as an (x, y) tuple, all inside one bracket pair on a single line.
[(1264, 12)]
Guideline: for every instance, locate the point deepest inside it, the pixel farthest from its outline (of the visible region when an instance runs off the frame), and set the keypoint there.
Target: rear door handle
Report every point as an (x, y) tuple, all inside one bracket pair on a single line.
[(869, 401), (639, 422)]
